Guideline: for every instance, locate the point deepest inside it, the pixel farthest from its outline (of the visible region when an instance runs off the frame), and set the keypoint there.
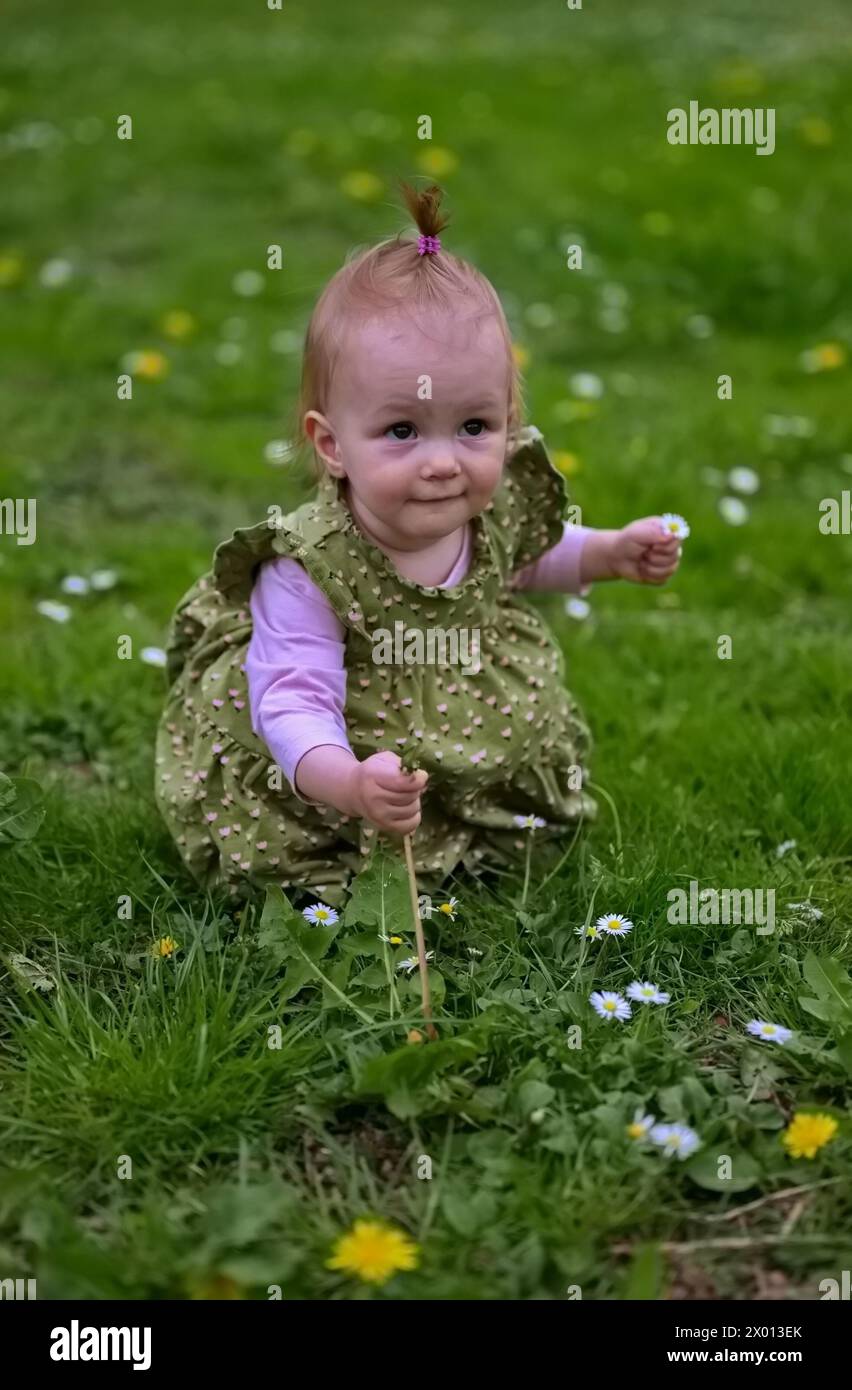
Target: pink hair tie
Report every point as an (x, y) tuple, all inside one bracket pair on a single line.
[(428, 245)]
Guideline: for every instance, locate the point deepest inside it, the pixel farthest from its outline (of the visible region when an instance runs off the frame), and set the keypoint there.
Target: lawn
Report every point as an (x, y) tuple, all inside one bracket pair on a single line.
[(198, 1125)]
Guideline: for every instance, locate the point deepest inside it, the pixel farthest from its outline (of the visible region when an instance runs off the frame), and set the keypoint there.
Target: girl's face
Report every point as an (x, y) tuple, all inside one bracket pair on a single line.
[(417, 423)]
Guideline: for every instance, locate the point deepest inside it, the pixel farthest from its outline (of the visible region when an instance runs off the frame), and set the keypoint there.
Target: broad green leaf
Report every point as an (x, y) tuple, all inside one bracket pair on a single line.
[(534, 1095), (285, 933), (22, 812), (828, 979), (705, 1167), (380, 897), (374, 977), (844, 1051), (412, 1066), (820, 1008), (437, 988)]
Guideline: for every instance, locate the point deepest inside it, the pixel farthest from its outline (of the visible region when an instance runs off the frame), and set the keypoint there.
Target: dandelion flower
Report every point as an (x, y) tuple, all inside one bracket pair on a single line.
[(166, 946), (411, 962), (363, 186), (614, 924), (530, 822), (148, 364), (646, 993), (773, 1032), (437, 162), (641, 1125), (449, 909), (826, 357), (320, 915), (178, 324), (373, 1252), (607, 1004), (807, 1134), (567, 463), (675, 525), (675, 1139)]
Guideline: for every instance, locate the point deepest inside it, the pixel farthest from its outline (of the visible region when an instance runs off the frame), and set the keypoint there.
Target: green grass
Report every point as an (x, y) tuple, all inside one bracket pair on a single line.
[(249, 1161)]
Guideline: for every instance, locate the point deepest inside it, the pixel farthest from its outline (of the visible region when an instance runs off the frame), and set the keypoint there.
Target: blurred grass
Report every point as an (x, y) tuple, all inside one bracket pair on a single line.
[(548, 128)]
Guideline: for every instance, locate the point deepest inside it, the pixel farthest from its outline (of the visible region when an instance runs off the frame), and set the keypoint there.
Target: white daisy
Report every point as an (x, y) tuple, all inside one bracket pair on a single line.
[(587, 386), (474, 951), (733, 510), (646, 993), (784, 848), (577, 608), (247, 283), (103, 579), (391, 940), (411, 962), (74, 584), (448, 908), (772, 1032), (675, 525), (59, 612), (530, 822), (153, 656), (675, 1139), (641, 1125), (320, 915), (744, 480), (592, 931), (807, 910), (607, 1004), (613, 924)]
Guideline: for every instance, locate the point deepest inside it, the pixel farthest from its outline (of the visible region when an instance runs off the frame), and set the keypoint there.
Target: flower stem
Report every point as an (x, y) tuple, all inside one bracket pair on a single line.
[(527, 870), (421, 944)]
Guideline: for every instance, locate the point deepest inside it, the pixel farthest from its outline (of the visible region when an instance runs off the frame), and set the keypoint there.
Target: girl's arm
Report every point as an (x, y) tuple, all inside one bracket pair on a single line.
[(294, 666), (641, 551)]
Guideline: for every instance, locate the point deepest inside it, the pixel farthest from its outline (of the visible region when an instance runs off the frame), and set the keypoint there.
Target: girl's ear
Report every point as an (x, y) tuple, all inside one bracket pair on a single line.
[(320, 433)]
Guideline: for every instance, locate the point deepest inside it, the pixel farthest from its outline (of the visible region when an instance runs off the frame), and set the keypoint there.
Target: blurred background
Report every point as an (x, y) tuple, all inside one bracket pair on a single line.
[(254, 127)]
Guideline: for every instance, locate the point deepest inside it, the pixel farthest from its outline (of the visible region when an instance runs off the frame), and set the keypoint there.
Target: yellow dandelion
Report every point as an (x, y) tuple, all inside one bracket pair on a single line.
[(437, 161), (521, 356), (828, 356), (373, 1252), (178, 324), (11, 269), (166, 946), (567, 463), (807, 1134), (363, 186), (149, 364), (815, 130)]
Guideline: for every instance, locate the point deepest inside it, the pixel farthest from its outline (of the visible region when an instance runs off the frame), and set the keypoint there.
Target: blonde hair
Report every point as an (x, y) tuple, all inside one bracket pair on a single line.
[(389, 276)]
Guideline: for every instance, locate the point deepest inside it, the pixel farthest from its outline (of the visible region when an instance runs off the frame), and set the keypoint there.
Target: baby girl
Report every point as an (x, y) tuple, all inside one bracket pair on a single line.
[(290, 741)]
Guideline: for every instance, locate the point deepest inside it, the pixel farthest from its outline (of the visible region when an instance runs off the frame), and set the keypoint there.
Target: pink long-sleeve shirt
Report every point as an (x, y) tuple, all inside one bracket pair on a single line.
[(295, 661)]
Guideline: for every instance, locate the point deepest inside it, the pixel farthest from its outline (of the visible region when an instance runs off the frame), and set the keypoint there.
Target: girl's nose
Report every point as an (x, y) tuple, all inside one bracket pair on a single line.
[(441, 464)]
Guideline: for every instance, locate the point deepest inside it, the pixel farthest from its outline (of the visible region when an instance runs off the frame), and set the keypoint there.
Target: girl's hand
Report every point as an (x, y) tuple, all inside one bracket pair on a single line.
[(387, 796), (642, 552)]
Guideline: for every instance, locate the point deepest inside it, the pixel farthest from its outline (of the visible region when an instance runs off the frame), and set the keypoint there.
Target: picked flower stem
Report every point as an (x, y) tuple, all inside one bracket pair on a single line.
[(421, 944)]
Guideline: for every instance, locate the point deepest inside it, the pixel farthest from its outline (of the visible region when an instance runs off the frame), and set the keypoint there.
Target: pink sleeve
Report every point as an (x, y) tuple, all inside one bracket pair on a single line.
[(294, 666), (558, 569)]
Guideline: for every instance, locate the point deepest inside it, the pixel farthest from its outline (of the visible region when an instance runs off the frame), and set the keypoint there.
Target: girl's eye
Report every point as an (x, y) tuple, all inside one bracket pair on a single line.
[(474, 427), (407, 430)]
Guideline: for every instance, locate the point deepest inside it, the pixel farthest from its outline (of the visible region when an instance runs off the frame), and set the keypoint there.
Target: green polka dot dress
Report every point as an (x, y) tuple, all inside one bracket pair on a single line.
[(498, 742)]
